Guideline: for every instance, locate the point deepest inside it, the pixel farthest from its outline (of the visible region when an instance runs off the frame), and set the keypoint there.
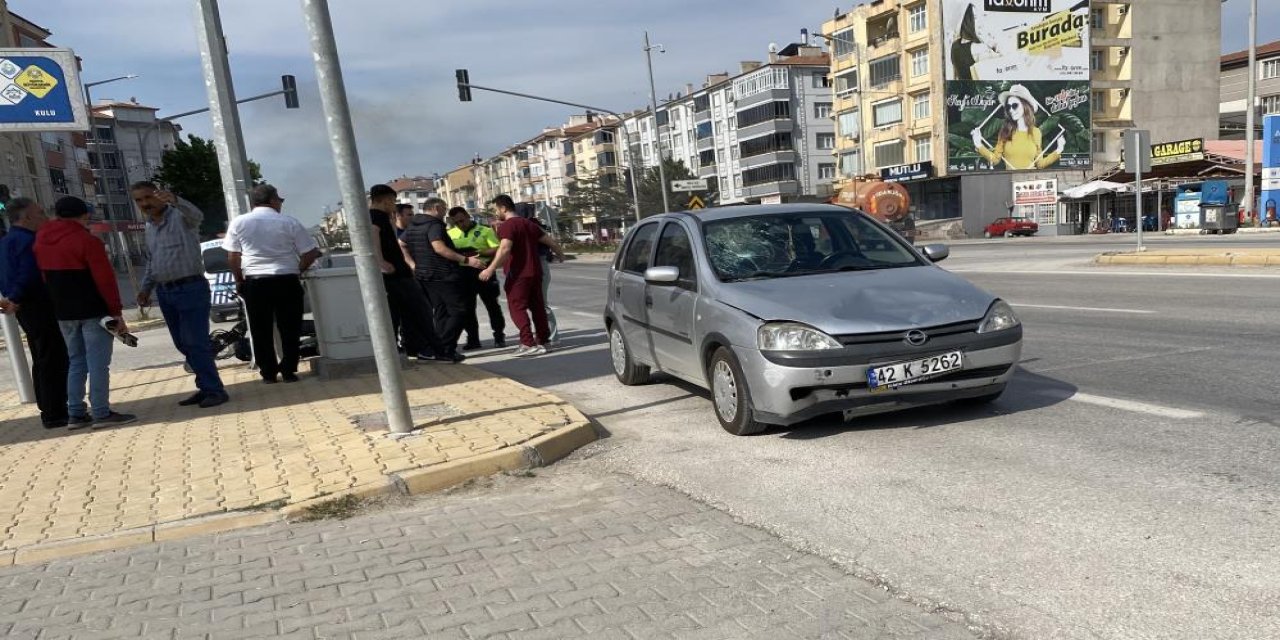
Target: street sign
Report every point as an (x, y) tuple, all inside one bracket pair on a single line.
[(689, 185), (40, 91), (695, 203), (1137, 144)]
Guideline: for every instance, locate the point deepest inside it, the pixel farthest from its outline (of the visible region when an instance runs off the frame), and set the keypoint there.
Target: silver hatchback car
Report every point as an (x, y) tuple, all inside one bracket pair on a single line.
[(788, 312)]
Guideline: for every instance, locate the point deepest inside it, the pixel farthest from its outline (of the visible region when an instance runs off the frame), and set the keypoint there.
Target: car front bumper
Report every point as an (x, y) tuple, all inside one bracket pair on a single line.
[(786, 395)]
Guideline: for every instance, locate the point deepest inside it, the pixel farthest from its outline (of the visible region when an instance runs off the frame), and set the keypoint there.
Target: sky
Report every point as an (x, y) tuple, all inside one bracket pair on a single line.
[(399, 56)]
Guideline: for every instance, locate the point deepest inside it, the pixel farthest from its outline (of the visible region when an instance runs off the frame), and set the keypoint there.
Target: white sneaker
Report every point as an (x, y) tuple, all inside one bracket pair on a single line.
[(521, 351), (528, 352)]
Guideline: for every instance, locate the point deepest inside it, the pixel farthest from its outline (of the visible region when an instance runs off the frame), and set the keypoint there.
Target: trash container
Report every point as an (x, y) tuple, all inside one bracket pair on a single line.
[(342, 330), (1219, 218)]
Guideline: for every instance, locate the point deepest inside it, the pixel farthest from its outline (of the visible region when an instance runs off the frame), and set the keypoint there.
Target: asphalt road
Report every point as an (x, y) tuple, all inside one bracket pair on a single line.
[(1124, 487)]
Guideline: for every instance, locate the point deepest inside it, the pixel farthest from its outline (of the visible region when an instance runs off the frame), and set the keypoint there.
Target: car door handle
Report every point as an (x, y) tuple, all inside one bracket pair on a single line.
[(648, 301)]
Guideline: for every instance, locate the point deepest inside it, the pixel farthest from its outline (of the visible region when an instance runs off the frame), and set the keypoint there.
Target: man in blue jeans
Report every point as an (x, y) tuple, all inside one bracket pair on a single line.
[(175, 274), (84, 293)]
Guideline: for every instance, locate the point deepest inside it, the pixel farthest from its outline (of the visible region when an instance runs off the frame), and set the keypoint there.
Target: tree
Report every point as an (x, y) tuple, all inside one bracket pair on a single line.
[(190, 170), (650, 187), (590, 197)]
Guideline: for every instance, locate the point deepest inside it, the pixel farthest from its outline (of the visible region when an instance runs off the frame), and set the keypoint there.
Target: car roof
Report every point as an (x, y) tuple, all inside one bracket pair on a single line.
[(714, 214)]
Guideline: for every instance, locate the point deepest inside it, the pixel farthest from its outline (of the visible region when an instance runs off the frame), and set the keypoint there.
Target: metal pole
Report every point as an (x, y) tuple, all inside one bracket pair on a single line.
[(18, 358), (333, 97), (631, 168), (1249, 113), (1137, 179), (233, 166), (657, 132)]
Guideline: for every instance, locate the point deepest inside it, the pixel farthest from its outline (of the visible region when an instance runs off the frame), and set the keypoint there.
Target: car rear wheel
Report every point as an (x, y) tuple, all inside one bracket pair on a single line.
[(626, 369), (981, 400), (730, 396)]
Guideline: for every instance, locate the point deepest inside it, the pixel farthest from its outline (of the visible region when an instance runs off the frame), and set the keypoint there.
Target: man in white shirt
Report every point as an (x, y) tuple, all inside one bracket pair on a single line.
[(267, 251)]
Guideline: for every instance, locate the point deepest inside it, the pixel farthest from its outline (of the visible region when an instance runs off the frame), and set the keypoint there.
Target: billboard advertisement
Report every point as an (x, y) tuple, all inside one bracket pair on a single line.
[(1017, 85)]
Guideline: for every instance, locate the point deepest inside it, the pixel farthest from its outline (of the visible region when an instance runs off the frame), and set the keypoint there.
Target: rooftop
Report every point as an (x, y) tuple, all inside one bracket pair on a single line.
[(1240, 58)]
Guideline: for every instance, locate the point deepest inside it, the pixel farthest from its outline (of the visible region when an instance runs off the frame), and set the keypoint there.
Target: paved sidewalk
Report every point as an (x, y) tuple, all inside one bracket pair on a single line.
[(571, 553), (271, 446)]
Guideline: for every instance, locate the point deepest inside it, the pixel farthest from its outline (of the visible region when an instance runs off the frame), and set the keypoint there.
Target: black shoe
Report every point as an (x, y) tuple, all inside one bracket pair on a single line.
[(499, 342), (269, 379), (214, 399), (472, 346), (196, 398), (425, 356), (114, 419), (79, 422), (54, 424), (289, 377), (454, 358)]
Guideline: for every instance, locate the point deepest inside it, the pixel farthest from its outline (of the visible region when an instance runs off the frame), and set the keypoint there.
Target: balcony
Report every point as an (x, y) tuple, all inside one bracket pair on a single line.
[(882, 30)]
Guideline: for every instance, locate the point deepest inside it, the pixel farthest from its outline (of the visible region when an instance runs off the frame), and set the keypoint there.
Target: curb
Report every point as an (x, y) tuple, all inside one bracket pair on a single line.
[(1223, 260), (538, 452)]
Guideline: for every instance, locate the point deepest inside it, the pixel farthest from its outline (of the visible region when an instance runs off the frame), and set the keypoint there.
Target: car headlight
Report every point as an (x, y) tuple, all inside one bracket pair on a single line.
[(999, 317), (789, 336)]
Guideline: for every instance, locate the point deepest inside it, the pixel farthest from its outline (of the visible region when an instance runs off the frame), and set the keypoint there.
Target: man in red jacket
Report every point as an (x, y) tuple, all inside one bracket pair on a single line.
[(84, 292)]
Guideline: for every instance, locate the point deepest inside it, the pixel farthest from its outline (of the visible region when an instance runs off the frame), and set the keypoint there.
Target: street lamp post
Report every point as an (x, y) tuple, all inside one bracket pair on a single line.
[(125, 253), (1250, 112), (657, 128)]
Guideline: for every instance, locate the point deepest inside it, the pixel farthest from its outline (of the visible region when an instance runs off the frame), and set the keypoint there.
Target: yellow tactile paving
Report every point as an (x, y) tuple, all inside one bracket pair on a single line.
[(271, 445)]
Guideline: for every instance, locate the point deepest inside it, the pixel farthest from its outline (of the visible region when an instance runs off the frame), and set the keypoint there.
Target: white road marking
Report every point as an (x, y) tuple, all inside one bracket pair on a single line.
[(1098, 309), (1128, 405), (1104, 271), (580, 314)]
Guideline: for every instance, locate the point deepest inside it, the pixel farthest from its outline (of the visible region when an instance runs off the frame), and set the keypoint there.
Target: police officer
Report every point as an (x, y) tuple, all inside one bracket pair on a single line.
[(473, 239)]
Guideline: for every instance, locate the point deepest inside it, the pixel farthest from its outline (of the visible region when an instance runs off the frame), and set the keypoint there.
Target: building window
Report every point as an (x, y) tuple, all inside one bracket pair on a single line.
[(1271, 104), (1097, 59), (1099, 18), (707, 158), (924, 149), (58, 179), (827, 171), (919, 63), (822, 110), (764, 113), (888, 154), (886, 113), (105, 134), (703, 130), (1099, 142), (771, 143), (826, 141), (1270, 69), (920, 106), (821, 81), (1099, 102), (851, 164), (885, 70), (918, 18), (842, 43), (848, 125), (847, 81), (769, 173)]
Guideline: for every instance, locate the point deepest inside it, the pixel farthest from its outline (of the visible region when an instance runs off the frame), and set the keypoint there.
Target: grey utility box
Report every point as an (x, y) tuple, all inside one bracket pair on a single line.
[(342, 330), (1219, 218)]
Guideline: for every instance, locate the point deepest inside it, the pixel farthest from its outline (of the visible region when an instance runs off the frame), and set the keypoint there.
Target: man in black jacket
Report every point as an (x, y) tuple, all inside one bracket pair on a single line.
[(438, 267)]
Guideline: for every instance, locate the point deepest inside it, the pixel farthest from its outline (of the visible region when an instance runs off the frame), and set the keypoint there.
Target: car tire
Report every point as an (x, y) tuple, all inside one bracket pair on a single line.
[(624, 366), (1009, 234), (986, 234), (981, 400), (730, 396)]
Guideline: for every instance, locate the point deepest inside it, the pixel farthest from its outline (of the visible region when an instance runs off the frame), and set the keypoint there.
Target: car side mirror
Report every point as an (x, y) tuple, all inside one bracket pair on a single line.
[(661, 275), (936, 252)]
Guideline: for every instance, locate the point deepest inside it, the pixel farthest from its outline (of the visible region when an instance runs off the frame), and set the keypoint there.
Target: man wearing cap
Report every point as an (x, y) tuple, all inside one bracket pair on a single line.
[(175, 274), (267, 252), (473, 239)]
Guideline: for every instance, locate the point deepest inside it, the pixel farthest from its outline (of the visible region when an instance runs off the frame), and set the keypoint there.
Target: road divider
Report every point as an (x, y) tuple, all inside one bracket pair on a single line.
[(1192, 257), (1069, 308)]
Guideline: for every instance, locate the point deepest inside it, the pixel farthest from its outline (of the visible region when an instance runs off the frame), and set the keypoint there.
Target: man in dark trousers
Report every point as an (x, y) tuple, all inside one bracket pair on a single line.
[(268, 251), (83, 288), (440, 271), (417, 328), (473, 239), (26, 296), (519, 242), (175, 274)]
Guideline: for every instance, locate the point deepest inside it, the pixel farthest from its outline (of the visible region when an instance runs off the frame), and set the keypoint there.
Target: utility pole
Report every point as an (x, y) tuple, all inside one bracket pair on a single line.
[(657, 128), (233, 165), (1250, 114), (346, 159)]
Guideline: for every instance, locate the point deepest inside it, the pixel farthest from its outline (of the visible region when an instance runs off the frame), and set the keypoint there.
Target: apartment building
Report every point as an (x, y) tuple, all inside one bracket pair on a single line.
[(1235, 89), (1150, 67), (127, 145)]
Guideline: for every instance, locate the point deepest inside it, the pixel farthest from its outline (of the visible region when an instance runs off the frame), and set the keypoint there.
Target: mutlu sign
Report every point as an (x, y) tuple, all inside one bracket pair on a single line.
[(905, 172)]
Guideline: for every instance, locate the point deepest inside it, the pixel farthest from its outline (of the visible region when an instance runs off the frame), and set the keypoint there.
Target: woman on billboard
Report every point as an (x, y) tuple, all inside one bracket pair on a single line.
[(963, 57), (1018, 145)]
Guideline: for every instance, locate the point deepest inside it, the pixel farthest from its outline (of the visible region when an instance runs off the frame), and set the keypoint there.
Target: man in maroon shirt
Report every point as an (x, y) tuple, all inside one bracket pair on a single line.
[(519, 239)]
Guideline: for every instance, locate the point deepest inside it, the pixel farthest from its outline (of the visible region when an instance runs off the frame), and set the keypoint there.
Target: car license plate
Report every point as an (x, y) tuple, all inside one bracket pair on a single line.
[(895, 375)]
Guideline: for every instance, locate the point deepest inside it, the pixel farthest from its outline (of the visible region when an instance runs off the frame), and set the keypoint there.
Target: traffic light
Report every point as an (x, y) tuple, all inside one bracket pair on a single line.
[(464, 85), (290, 84)]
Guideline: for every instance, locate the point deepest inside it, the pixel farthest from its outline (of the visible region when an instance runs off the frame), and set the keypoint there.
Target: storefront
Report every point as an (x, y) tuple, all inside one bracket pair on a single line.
[(931, 198)]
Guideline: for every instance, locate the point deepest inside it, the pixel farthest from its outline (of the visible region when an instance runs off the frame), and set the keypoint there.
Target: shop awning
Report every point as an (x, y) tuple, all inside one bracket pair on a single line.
[(1097, 187)]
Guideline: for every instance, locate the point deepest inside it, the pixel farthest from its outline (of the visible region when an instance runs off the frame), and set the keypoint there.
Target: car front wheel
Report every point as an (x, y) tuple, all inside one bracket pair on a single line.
[(730, 395), (624, 367), (986, 234)]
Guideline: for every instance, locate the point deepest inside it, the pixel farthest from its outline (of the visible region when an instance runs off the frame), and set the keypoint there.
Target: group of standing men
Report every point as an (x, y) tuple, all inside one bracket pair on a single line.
[(435, 274)]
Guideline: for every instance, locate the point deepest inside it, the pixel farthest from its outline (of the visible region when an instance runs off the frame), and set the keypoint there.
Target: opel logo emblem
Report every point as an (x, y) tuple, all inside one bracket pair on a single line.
[(916, 337)]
